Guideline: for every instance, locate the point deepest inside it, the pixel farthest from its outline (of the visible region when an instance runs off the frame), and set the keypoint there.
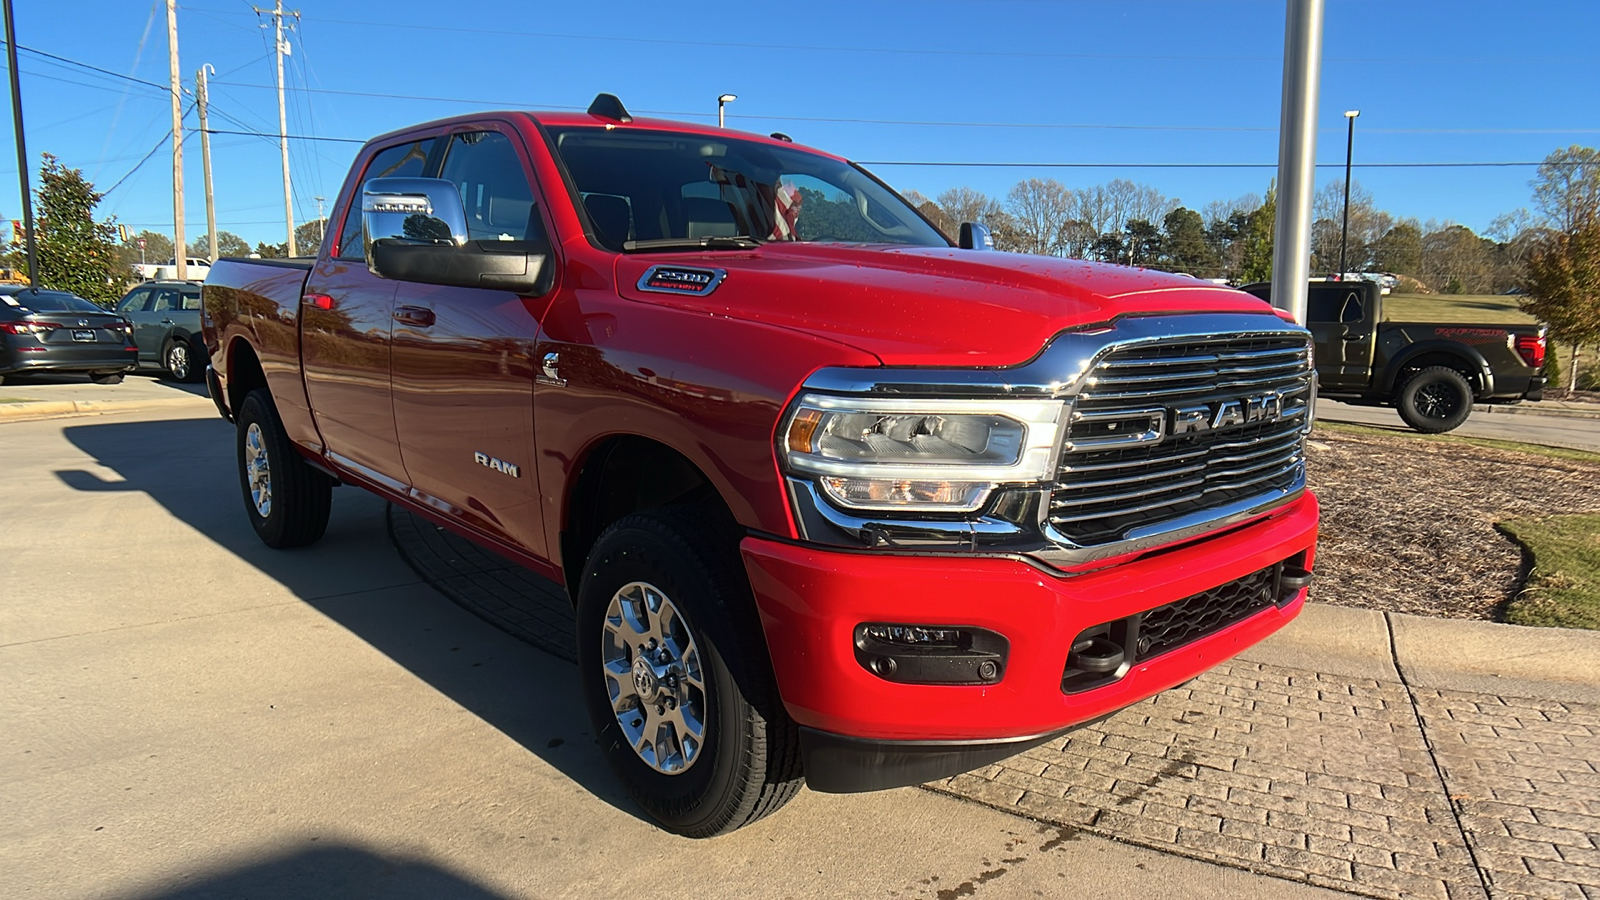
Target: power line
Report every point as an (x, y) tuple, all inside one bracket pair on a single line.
[(146, 158), (83, 65), (293, 137)]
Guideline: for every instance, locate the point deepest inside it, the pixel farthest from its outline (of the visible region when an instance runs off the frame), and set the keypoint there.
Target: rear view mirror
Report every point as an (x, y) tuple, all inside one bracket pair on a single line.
[(975, 237), (412, 210), (415, 229)]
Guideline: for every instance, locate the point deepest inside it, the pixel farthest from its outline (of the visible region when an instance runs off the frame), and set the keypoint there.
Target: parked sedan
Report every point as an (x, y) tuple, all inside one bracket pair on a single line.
[(166, 326), (54, 331)]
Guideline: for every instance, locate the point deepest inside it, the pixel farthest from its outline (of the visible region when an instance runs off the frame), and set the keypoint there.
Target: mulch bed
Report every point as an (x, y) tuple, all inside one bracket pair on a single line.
[(1408, 524)]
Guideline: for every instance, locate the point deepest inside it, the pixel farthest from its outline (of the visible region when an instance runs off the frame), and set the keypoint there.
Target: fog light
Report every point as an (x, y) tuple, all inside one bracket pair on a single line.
[(931, 654), (912, 635)]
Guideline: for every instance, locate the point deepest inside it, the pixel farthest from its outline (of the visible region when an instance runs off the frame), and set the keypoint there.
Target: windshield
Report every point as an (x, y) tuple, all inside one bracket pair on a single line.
[(53, 301), (663, 186)]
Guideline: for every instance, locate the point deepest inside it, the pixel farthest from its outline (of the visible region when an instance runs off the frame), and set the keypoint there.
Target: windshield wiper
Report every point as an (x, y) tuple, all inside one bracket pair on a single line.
[(709, 242)]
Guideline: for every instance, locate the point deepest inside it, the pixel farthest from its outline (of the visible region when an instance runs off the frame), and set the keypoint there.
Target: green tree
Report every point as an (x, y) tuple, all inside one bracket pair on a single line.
[(228, 244), (271, 251), (1255, 258), (308, 237), (1143, 243), (75, 253), (1564, 288), (1185, 243), (1400, 250)]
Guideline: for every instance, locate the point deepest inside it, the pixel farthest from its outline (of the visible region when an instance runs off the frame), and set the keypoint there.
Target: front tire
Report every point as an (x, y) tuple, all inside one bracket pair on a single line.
[(1435, 400), (286, 499), (676, 678)]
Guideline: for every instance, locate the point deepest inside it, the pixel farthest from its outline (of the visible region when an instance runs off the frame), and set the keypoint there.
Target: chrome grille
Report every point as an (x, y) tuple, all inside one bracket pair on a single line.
[(1131, 460)]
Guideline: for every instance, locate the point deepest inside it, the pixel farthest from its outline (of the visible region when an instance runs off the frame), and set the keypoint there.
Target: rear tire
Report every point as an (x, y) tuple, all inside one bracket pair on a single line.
[(1435, 400), (106, 377), (286, 499), (181, 361), (694, 729)]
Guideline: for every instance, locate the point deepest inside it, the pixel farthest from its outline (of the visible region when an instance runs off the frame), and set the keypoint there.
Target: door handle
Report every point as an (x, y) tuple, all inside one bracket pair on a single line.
[(414, 315), (168, 322), (1355, 337)]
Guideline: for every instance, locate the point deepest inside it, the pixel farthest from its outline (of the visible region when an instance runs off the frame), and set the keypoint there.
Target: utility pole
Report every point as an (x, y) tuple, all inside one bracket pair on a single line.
[(1297, 156), (180, 249), (22, 149), (205, 157), (281, 47)]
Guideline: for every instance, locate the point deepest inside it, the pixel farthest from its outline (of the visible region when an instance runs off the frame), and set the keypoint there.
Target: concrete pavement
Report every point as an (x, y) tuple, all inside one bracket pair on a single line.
[(1554, 425), (1386, 755), (48, 396), (186, 713)]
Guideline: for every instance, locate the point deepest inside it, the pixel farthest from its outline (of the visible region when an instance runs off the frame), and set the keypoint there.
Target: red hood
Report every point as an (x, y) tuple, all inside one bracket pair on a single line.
[(925, 305)]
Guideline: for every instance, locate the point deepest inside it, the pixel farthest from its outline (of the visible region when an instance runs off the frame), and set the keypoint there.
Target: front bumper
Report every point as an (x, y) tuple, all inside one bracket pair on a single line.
[(861, 731)]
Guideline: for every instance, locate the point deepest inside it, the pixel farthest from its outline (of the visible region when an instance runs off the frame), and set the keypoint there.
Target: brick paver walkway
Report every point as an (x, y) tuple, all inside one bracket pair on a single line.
[(1365, 786)]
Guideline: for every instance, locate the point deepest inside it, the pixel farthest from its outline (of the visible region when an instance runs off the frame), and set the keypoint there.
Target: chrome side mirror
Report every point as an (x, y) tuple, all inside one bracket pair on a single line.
[(412, 211), (975, 237)]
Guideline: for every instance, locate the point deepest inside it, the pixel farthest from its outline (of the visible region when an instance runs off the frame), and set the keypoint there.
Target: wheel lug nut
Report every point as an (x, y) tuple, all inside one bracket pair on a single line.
[(660, 710)]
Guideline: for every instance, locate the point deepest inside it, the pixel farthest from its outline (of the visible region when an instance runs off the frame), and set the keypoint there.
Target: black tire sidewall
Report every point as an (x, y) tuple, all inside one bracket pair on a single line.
[(692, 802), (1432, 376), (255, 411)]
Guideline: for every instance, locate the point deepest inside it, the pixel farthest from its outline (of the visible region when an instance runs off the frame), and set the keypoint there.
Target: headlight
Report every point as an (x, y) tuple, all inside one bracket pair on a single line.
[(919, 455)]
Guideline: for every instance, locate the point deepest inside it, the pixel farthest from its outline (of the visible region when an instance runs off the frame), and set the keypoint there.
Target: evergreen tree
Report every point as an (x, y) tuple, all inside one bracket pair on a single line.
[(75, 253)]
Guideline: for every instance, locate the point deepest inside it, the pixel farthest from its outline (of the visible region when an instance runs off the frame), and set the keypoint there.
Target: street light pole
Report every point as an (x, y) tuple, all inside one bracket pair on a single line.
[(1297, 156), (1349, 145), (721, 102)]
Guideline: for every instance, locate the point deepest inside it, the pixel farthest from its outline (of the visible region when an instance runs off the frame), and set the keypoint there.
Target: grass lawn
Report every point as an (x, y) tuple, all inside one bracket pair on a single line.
[(1485, 309), (1564, 587)]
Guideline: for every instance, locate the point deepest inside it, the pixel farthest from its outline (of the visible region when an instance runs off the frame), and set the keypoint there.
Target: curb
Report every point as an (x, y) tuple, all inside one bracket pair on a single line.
[(1560, 412), (1452, 654), (52, 409)]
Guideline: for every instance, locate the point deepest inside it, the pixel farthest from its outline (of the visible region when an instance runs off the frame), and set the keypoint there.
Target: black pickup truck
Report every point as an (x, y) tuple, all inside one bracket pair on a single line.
[(1431, 372)]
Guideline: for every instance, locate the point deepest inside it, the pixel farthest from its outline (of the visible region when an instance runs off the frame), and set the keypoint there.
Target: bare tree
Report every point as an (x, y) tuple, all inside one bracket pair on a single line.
[(1221, 210), (1566, 189), (1041, 208), (965, 204), (1455, 260), (1368, 224)]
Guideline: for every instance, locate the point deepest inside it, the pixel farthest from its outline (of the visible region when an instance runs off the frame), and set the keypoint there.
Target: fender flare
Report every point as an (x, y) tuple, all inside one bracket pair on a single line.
[(1471, 361)]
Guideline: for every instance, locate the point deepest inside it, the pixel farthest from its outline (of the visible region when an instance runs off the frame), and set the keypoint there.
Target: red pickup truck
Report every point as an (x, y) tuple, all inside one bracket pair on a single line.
[(837, 499)]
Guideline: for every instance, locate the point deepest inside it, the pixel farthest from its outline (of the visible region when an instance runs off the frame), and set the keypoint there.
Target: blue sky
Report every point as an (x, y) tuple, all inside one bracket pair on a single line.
[(1069, 81)]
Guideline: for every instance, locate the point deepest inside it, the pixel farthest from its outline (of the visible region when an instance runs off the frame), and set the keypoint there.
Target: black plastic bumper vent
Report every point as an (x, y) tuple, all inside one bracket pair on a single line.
[(1105, 652)]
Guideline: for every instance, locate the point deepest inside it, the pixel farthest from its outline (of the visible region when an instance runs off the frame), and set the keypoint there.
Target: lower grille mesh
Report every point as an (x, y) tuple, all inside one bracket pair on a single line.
[(1169, 627)]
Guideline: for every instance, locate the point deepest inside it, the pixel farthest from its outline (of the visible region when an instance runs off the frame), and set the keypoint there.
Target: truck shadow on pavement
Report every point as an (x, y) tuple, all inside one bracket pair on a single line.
[(356, 578), (316, 872)]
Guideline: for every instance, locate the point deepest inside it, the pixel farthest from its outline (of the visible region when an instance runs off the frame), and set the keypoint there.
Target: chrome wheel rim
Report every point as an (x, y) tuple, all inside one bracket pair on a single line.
[(654, 678), (258, 470), (178, 361)]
